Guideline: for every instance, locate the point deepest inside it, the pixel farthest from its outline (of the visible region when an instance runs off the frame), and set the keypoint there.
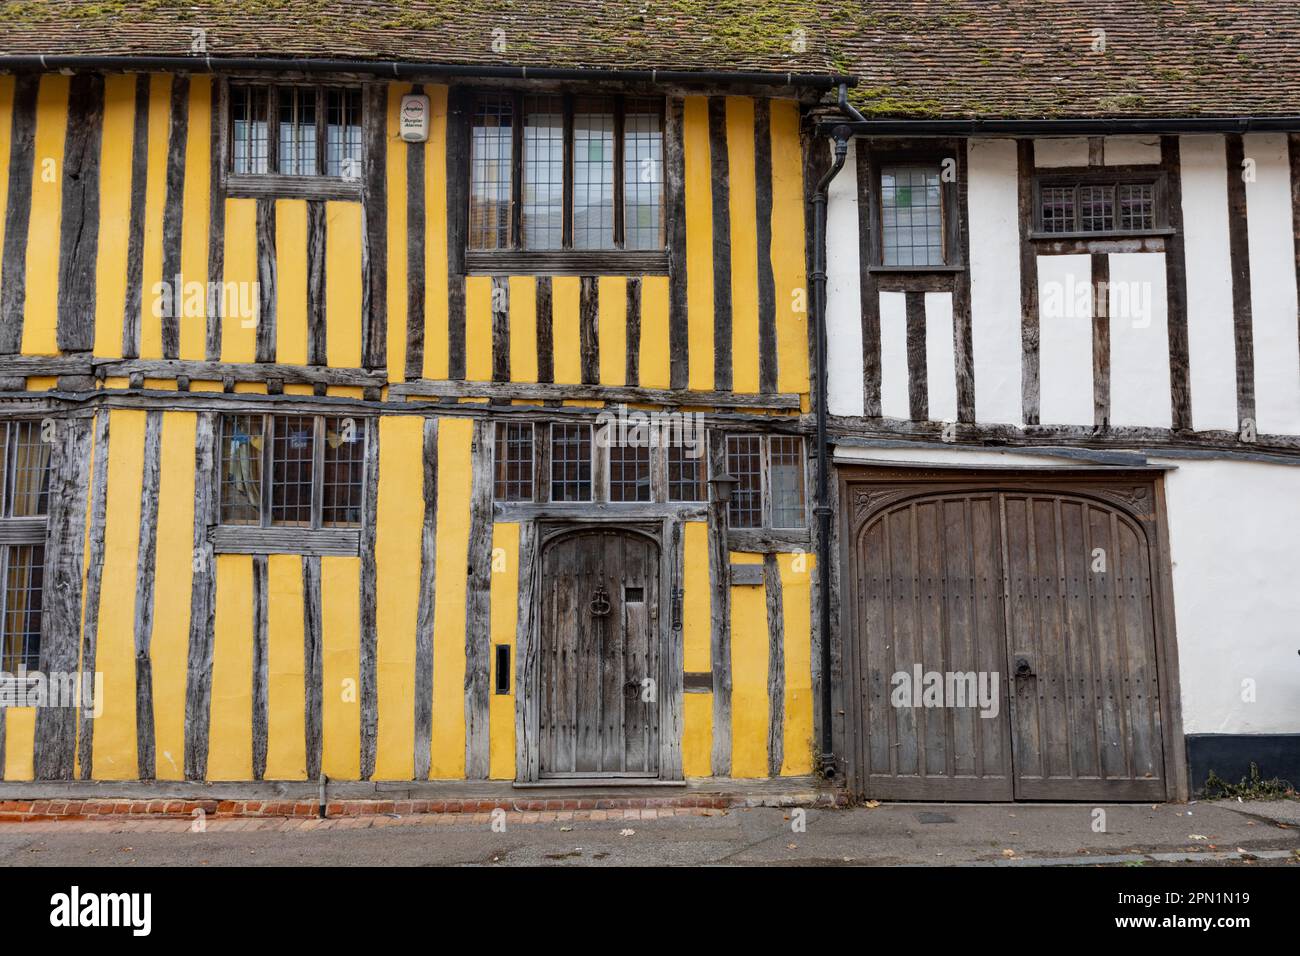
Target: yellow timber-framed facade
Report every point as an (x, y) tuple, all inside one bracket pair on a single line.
[(282, 528)]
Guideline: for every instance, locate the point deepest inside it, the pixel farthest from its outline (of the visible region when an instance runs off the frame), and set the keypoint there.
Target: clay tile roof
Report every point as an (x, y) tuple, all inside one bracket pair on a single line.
[(916, 58)]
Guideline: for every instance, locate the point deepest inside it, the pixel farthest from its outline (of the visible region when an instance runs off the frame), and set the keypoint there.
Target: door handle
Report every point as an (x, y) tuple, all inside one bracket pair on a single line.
[(1023, 667), (632, 690)]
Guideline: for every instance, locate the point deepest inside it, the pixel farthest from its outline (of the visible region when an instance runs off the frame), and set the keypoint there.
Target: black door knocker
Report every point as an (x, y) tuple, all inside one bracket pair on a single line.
[(600, 602)]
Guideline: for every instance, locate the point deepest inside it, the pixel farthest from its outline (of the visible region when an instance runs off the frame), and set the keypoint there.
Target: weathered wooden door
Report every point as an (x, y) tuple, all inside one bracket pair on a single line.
[(599, 713), (929, 595), (1085, 702), (1039, 603)]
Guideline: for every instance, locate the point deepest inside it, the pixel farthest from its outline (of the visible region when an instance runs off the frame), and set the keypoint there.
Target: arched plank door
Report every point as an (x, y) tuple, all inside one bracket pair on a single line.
[(1044, 601), (599, 646)]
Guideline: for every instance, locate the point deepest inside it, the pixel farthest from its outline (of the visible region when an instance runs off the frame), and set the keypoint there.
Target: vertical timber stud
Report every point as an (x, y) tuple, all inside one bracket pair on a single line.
[(56, 727), (1293, 156), (374, 249), (316, 283), (767, 356), (94, 579), (918, 386), (313, 667), (1101, 340), (776, 665), (423, 718), (478, 606), (868, 289), (135, 231), (632, 368), (457, 175), (720, 612), (678, 329), (527, 749), (198, 680), (589, 329), (1239, 256), (216, 222), (672, 667), (1028, 283), (500, 329), (173, 212), (146, 561), (415, 224), (79, 225), (1176, 287), (18, 212), (963, 341), (261, 676), (369, 691), (266, 280), (545, 331), (720, 172)]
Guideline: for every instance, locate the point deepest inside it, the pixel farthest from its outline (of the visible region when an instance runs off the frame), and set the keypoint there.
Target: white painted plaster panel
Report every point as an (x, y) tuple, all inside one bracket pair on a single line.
[(995, 280), (1139, 341), (843, 294), (1131, 150), (1061, 151), (1273, 284), (940, 361), (1065, 340), (893, 356), (1211, 350)]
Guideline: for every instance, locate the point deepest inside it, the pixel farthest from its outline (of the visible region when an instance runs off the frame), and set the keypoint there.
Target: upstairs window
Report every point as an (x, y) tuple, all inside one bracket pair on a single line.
[(299, 131), (912, 215), (562, 172), (1102, 206), (292, 471), (24, 505)]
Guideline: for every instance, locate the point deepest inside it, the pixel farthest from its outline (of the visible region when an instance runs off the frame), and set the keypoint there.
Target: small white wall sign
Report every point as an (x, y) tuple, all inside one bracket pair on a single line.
[(414, 118)]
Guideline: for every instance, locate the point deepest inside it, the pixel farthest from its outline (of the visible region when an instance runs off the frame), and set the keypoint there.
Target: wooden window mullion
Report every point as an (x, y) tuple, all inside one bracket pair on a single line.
[(516, 239), (566, 240), (619, 125), (322, 105), (5, 442), (272, 129), (268, 440), (764, 489), (318, 472)]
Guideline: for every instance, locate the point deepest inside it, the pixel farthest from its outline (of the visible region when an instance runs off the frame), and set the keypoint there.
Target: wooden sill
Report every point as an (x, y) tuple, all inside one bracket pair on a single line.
[(241, 539), (566, 262)]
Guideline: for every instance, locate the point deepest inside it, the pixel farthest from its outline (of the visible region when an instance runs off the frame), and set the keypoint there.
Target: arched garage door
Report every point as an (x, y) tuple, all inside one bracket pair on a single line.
[(1003, 644)]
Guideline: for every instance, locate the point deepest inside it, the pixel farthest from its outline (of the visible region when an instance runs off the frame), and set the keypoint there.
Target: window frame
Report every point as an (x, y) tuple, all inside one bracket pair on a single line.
[(766, 506), (949, 204), (274, 184), (515, 258), (1110, 176), (266, 537), (27, 531)]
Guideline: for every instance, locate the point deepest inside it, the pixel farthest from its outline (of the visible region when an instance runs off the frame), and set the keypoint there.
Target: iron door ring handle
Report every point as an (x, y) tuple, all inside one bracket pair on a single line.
[(1023, 668)]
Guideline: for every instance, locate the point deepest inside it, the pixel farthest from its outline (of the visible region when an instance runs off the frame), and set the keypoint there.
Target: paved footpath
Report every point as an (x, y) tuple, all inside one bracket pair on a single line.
[(1220, 834)]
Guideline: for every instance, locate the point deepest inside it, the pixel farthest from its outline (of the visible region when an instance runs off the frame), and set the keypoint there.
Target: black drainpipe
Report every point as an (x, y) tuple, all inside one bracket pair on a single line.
[(840, 134)]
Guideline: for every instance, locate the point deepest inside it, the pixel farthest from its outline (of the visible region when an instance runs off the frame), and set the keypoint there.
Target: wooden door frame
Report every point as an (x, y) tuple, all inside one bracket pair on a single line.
[(913, 481), (666, 533)]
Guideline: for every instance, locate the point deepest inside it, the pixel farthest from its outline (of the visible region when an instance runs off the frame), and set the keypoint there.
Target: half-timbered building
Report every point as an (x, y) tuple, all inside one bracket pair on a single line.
[(392, 392)]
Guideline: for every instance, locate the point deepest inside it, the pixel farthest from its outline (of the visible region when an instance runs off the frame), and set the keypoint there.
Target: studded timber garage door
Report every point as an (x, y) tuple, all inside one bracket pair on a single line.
[(1003, 640)]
